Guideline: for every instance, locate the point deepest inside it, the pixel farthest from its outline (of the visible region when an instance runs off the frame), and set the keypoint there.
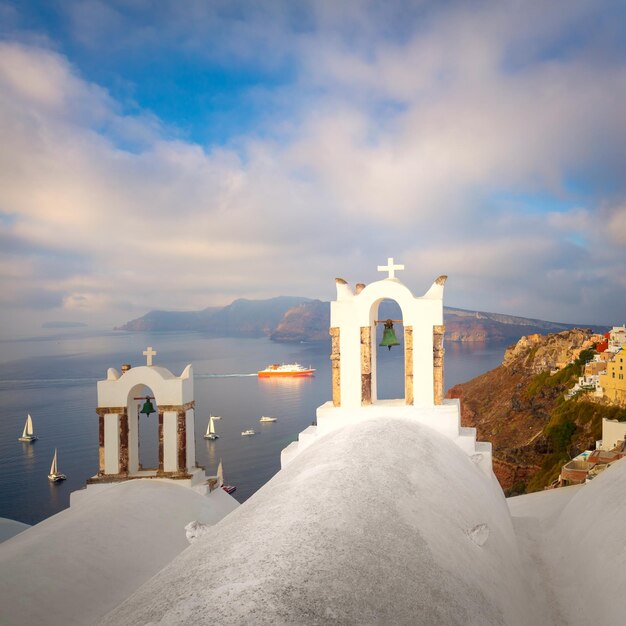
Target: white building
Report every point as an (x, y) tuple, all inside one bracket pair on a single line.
[(353, 321), (617, 337)]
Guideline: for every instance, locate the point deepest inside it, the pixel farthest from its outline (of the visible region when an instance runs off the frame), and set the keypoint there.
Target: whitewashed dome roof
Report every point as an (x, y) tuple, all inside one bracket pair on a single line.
[(383, 522)]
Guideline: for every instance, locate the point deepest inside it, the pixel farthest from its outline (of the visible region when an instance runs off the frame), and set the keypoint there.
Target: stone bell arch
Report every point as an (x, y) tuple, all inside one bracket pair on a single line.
[(353, 332), (118, 426), (353, 358)]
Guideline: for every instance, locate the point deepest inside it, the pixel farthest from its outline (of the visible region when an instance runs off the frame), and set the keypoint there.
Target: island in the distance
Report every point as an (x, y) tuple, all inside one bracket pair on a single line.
[(297, 319)]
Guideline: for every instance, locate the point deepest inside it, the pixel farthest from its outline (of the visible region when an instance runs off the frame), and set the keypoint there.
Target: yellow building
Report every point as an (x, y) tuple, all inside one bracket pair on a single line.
[(613, 382)]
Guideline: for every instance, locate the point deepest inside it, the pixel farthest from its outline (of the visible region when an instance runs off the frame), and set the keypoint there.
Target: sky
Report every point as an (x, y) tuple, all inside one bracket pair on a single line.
[(178, 155)]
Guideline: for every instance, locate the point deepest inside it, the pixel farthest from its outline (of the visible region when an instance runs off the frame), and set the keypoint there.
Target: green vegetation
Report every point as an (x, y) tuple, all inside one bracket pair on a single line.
[(561, 435), (550, 470), (565, 419), (518, 489), (545, 382)]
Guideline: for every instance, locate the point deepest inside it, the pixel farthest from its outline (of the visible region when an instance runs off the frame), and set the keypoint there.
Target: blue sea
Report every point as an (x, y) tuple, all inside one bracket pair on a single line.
[(54, 377)]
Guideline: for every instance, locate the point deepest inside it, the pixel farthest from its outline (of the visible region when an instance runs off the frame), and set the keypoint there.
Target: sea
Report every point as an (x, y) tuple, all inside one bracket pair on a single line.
[(53, 378)]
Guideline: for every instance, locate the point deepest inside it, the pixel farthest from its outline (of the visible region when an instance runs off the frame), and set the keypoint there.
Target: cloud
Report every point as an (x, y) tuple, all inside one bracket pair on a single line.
[(430, 138)]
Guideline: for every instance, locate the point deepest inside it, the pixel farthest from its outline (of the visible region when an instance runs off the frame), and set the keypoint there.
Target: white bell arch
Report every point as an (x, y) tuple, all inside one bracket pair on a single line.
[(353, 332), (118, 417), (353, 359)]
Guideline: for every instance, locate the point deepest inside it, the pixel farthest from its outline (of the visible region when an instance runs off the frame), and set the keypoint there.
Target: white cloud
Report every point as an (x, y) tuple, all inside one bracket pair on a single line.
[(395, 146)]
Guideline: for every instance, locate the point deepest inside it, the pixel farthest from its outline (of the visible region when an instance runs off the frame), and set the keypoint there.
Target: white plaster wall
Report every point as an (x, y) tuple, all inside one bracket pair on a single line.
[(423, 391), (191, 446), (612, 432), (351, 312), (167, 388), (111, 443), (169, 441), (350, 373)]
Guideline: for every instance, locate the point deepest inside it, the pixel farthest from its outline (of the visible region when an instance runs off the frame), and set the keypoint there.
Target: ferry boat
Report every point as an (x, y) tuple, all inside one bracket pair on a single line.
[(288, 369), (247, 433)]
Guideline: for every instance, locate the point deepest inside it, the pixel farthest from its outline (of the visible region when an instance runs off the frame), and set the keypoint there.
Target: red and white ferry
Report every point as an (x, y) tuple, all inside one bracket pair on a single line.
[(288, 369)]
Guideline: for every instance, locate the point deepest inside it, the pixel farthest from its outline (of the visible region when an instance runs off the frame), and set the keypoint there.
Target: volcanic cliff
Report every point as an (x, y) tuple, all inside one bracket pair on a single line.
[(520, 408)]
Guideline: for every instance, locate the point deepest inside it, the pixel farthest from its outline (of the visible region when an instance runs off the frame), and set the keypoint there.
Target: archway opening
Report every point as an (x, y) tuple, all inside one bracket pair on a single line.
[(389, 362), (143, 430)]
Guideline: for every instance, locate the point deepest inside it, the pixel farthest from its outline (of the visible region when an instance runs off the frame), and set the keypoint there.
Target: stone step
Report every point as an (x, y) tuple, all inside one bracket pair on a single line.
[(288, 454), (307, 437)]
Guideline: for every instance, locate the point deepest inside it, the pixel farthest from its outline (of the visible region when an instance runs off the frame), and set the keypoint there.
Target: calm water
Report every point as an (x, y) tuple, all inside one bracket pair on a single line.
[(54, 379)]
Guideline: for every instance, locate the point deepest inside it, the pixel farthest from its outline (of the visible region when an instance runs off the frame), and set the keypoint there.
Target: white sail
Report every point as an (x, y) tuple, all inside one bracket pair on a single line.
[(220, 474), (53, 467), (208, 428), (28, 429), (211, 426)]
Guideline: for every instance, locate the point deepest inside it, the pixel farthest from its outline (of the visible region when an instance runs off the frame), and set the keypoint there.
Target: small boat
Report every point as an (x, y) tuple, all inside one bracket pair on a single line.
[(55, 476), (289, 369), (245, 433), (28, 435), (266, 419), (220, 480), (210, 431)]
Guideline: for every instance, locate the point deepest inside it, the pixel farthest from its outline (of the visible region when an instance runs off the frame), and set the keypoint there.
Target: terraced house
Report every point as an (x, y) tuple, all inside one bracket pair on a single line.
[(613, 382)]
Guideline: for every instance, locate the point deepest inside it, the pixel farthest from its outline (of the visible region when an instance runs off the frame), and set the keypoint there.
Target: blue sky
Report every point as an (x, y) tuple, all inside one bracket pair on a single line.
[(178, 155)]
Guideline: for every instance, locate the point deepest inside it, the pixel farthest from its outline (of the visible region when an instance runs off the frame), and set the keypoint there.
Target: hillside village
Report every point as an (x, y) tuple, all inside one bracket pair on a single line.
[(553, 410), (602, 379)]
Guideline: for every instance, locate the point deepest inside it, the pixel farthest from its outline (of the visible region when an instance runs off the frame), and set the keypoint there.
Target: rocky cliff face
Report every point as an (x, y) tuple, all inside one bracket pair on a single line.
[(306, 322), (462, 325), (241, 318), (310, 322), (300, 319), (550, 352), (520, 408)]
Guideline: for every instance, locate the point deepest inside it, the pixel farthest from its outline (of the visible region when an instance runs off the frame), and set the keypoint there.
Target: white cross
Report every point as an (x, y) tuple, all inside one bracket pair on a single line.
[(149, 353), (390, 267)]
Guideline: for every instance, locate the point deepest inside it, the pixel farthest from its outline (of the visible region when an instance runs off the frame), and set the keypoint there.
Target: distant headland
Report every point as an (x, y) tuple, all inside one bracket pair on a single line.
[(289, 319)]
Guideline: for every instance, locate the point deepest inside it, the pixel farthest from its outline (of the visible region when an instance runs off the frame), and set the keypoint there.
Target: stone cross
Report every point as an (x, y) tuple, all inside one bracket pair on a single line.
[(390, 267), (149, 353)]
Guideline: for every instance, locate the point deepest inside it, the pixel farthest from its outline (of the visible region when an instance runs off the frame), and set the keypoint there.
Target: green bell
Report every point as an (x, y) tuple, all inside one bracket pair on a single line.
[(389, 336), (147, 407)]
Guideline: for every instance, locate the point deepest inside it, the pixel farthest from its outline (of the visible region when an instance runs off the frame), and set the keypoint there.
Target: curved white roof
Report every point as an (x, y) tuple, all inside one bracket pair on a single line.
[(75, 566), (383, 522)]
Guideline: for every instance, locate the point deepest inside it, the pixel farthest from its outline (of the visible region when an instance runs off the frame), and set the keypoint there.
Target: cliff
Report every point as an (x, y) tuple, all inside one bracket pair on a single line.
[(462, 325), (241, 318), (308, 321), (290, 319), (520, 408)]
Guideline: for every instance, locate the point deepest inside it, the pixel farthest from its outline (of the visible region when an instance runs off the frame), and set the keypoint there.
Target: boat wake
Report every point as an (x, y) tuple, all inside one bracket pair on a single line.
[(223, 375)]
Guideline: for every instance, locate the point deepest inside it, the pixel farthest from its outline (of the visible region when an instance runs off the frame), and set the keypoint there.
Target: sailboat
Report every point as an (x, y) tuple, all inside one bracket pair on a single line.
[(220, 480), (55, 476), (210, 431), (27, 434)]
